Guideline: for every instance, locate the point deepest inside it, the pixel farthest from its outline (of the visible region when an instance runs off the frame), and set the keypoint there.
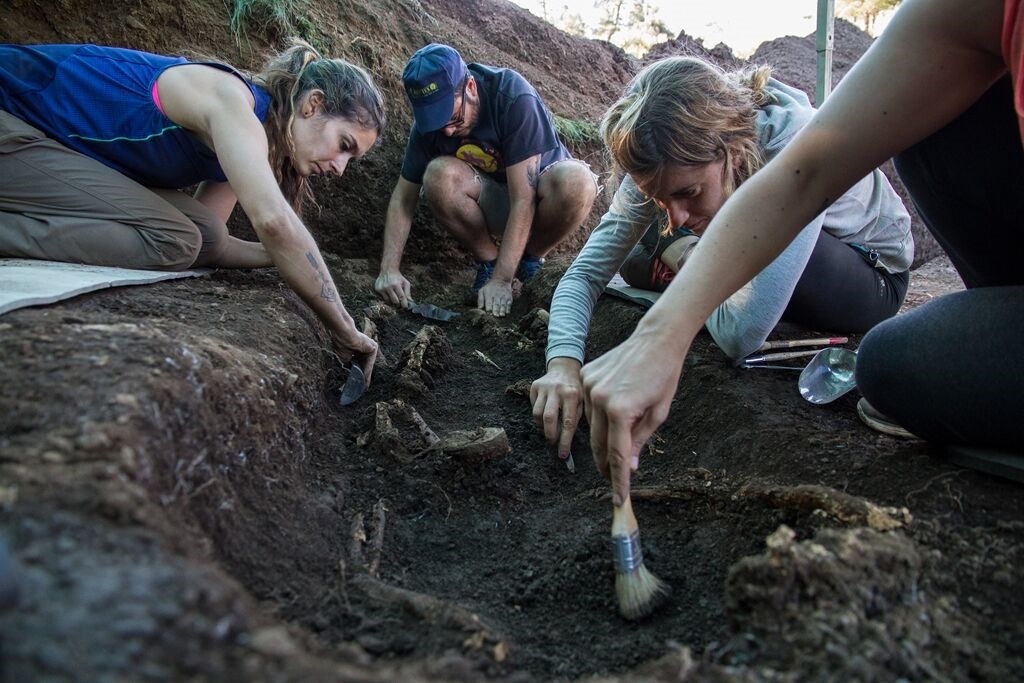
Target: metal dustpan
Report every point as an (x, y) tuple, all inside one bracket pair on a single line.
[(354, 386), (432, 312)]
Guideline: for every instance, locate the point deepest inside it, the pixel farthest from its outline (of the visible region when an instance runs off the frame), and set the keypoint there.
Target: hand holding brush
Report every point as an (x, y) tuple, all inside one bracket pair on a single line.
[(638, 591), (625, 402)]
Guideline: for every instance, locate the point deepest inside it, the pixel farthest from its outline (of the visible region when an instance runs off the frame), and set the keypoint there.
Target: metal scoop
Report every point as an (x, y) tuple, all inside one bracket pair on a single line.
[(829, 375)]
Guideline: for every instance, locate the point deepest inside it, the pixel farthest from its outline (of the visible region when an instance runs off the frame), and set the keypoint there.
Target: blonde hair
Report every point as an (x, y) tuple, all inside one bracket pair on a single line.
[(683, 110), (348, 92)]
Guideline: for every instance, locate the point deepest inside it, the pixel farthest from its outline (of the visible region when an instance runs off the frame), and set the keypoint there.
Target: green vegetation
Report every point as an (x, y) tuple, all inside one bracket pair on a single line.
[(274, 19), (575, 132), (260, 16)]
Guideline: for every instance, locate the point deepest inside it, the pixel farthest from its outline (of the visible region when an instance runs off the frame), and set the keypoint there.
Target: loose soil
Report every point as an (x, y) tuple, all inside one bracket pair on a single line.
[(186, 499)]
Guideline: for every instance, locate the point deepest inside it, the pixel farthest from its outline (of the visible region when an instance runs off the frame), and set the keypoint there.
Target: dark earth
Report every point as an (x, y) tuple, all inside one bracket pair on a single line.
[(185, 498)]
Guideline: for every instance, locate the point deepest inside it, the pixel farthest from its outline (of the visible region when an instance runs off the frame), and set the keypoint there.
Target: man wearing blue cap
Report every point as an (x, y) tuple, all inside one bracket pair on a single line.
[(484, 153)]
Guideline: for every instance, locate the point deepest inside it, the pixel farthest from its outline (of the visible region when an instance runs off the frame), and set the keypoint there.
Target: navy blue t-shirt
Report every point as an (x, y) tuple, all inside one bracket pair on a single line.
[(98, 101), (513, 126)]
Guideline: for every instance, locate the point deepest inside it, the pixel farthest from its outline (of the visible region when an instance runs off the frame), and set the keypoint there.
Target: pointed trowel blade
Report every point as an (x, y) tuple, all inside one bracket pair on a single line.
[(433, 312), (354, 385)]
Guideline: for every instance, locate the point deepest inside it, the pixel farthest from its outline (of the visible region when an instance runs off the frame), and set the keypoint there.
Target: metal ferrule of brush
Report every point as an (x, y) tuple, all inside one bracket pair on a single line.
[(626, 553)]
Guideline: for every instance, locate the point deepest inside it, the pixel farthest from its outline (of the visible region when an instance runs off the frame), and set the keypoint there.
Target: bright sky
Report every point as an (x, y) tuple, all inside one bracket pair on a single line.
[(740, 24)]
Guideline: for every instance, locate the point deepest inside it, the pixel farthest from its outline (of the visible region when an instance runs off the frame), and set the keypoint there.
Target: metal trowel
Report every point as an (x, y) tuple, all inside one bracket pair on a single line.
[(354, 386), (432, 312)]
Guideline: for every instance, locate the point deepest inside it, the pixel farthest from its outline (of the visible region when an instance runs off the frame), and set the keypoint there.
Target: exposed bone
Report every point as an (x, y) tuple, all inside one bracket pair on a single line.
[(490, 326), (357, 541), (428, 352), (519, 388), (535, 325), (370, 328), (842, 506), (483, 356), (398, 431), (378, 310), (377, 538), (476, 446)]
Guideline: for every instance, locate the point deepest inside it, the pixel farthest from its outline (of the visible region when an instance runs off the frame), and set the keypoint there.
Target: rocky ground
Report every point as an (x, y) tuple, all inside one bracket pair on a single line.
[(185, 499)]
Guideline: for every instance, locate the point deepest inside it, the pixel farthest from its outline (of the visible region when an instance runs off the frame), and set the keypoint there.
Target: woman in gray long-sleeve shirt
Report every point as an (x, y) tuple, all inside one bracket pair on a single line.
[(687, 134)]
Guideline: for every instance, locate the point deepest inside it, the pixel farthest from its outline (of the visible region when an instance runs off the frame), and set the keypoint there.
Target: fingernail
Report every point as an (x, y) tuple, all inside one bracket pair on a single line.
[(563, 456), (634, 463)]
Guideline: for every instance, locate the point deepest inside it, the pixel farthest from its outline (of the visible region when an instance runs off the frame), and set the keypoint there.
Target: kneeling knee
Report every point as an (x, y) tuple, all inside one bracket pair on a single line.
[(442, 179), (181, 252), (878, 361), (572, 182)]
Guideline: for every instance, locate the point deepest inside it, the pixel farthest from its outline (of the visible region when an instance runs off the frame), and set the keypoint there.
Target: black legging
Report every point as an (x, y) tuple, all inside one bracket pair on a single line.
[(839, 290), (951, 371)]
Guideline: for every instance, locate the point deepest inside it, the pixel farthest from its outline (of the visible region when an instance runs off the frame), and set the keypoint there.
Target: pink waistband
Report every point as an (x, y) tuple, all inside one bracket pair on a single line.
[(156, 98)]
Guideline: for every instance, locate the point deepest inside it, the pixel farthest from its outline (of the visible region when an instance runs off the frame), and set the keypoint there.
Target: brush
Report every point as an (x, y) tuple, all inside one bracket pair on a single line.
[(639, 592), (790, 343)]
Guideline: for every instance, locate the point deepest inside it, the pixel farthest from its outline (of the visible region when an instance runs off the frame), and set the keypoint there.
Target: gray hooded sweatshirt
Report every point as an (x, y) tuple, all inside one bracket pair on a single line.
[(869, 214)]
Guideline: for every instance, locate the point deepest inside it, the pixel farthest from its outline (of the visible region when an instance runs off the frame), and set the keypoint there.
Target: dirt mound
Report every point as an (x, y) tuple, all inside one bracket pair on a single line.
[(794, 59), (683, 44)]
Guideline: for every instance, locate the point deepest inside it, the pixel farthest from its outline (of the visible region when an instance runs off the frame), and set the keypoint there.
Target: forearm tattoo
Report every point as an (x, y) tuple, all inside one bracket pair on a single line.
[(532, 176), (327, 291)]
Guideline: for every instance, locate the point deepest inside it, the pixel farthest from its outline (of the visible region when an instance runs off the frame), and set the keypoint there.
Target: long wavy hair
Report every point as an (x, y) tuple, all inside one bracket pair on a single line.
[(348, 92), (683, 110)]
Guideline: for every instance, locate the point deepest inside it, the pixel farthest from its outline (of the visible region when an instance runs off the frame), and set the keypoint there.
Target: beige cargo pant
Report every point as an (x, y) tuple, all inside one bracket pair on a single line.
[(60, 205)]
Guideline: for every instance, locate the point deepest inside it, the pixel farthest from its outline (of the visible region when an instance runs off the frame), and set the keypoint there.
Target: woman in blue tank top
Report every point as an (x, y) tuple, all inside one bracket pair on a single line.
[(95, 143)]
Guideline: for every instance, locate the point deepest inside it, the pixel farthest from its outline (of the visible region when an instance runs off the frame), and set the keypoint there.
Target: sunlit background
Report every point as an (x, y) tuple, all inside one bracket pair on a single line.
[(740, 24)]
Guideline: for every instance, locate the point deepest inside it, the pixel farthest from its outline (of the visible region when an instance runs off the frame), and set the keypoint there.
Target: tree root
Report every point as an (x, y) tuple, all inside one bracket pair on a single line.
[(426, 607), (691, 484)]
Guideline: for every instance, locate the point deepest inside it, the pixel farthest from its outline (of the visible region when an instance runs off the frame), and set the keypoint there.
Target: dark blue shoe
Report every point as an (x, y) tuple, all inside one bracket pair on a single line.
[(528, 267), (484, 270)]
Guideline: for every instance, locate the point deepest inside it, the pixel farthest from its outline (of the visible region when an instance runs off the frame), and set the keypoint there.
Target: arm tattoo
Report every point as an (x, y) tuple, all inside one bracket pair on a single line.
[(532, 177), (327, 292)]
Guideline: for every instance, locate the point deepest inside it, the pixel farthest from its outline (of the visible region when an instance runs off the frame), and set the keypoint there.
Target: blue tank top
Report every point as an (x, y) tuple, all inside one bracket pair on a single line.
[(98, 101)]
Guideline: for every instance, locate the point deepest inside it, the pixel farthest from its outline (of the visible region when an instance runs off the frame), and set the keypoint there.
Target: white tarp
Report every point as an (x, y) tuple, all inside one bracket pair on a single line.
[(29, 282)]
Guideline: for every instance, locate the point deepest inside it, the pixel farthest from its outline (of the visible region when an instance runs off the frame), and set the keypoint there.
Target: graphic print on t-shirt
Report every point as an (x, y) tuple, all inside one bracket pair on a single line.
[(479, 155)]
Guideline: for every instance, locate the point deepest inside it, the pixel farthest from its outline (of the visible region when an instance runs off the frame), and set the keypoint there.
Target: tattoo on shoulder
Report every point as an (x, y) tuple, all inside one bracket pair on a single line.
[(327, 291), (532, 176)]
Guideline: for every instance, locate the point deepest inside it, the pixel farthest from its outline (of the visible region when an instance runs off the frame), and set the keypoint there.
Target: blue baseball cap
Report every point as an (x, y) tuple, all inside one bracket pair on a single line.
[(431, 78)]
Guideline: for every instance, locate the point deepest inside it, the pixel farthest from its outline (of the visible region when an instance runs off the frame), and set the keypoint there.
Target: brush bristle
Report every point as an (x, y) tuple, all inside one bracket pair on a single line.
[(640, 593)]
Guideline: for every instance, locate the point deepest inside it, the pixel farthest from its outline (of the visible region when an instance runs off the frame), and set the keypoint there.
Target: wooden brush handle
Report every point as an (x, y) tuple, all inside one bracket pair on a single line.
[(623, 520), (790, 343)]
